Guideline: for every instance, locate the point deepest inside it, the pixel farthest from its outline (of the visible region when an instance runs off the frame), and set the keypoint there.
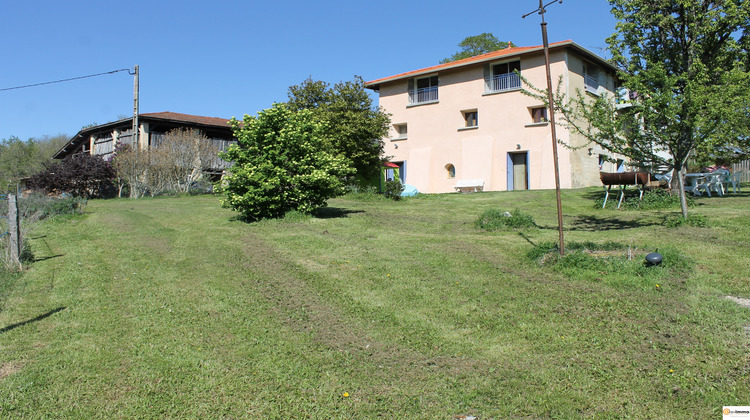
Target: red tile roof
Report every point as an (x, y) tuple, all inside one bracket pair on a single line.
[(196, 119), (479, 59)]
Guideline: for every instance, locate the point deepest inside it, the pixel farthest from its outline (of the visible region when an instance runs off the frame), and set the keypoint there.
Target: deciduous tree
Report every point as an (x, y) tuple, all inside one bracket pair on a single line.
[(476, 45), (130, 166), (182, 158), (20, 159), (685, 65), (279, 164), (354, 126)]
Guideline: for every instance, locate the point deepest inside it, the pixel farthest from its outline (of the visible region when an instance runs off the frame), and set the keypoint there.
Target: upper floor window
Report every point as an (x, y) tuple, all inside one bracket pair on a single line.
[(423, 90), (502, 77), (590, 77)]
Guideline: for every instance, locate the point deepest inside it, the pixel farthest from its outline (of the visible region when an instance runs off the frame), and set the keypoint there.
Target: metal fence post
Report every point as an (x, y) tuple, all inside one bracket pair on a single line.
[(14, 230)]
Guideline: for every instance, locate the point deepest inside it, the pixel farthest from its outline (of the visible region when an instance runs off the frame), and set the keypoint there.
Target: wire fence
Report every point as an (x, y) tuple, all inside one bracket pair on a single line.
[(4, 218)]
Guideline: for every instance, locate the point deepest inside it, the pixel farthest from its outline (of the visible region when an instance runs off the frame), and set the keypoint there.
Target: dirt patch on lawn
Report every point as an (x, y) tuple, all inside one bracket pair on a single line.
[(740, 301), (632, 254), (9, 368)]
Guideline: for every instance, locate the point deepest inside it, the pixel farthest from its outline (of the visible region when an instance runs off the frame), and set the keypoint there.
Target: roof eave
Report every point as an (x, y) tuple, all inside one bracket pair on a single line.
[(375, 84), (178, 121), (86, 130)]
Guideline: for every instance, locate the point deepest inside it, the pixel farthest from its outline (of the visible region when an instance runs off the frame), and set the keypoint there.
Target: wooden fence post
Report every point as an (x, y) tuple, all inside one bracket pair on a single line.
[(14, 230)]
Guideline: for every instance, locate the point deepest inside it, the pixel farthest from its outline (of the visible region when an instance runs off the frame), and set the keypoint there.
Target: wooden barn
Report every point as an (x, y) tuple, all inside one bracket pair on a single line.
[(102, 139)]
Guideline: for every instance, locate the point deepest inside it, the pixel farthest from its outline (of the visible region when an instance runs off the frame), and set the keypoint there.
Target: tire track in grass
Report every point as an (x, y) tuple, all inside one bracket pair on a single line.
[(295, 301)]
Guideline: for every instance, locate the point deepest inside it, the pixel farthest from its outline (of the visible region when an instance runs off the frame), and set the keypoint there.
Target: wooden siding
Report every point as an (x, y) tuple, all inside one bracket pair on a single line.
[(104, 147), (217, 164)]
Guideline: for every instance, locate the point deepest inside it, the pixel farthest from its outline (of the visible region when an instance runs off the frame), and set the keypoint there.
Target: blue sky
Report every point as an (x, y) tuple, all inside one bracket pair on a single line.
[(230, 58)]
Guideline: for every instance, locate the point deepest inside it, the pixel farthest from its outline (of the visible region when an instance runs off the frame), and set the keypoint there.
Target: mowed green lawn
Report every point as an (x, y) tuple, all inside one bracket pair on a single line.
[(172, 308)]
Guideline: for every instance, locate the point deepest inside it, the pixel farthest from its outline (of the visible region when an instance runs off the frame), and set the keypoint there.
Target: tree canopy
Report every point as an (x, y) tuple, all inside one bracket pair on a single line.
[(476, 45), (684, 64), (281, 163), (20, 159), (354, 126)]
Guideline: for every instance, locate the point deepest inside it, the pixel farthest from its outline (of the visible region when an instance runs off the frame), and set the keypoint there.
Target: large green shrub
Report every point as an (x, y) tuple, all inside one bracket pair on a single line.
[(281, 163)]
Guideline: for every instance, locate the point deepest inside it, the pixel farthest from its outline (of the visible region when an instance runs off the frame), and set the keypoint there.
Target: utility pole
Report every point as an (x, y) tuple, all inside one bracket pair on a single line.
[(136, 90), (541, 10)]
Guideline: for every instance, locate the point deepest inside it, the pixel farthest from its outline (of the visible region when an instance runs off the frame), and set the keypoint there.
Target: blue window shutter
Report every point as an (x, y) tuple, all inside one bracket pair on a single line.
[(487, 77), (527, 170)]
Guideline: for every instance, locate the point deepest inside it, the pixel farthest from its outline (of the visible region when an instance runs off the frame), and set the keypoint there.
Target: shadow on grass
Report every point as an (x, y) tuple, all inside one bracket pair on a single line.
[(595, 223), (29, 321), (521, 234), (321, 213), (334, 212), (597, 194), (38, 259)]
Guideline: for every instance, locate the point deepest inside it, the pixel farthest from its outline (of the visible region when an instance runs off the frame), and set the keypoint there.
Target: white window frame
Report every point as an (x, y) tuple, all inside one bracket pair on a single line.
[(401, 135)]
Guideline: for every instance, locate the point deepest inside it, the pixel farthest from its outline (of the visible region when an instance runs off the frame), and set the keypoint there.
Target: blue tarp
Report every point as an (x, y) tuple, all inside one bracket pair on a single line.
[(409, 191)]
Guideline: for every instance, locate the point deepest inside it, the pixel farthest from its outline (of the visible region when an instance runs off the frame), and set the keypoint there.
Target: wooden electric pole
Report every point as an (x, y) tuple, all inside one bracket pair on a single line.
[(550, 99), (136, 90)]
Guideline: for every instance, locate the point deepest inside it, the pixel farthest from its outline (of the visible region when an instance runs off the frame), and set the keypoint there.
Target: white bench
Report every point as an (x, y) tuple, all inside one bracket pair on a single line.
[(469, 185)]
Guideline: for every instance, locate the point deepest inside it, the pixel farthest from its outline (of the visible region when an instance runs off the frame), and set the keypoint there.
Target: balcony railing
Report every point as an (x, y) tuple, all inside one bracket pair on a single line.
[(423, 95), (503, 82)]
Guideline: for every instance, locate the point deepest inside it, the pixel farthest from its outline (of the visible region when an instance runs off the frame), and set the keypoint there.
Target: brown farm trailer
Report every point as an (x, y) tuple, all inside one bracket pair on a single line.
[(622, 180)]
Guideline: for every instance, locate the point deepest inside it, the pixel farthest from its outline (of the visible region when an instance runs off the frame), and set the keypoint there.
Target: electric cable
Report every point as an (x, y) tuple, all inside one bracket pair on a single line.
[(65, 80)]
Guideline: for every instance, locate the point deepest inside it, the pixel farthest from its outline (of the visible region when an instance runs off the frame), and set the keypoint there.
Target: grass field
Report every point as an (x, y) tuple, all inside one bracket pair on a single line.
[(172, 307)]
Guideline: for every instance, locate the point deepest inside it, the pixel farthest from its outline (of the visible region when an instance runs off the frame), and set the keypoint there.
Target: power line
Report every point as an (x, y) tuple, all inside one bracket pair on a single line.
[(65, 80)]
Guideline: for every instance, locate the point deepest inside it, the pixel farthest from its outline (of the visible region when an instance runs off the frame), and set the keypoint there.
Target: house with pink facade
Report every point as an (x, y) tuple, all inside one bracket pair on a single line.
[(468, 125)]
